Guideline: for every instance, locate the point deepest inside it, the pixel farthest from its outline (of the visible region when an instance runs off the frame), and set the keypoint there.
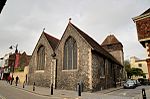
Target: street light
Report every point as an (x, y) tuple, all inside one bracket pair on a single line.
[(16, 50)]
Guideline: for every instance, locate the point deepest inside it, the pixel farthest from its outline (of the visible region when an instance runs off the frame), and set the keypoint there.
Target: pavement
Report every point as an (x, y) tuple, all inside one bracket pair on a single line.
[(67, 94)]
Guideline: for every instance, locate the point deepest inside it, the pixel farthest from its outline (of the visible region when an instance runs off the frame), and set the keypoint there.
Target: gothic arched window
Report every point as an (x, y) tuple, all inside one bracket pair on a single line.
[(70, 54), (102, 68), (41, 58)]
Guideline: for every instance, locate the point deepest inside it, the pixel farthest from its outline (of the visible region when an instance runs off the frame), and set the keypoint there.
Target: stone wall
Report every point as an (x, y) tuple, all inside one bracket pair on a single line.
[(107, 81), (119, 55), (113, 47), (68, 79), (98, 81), (41, 77), (116, 50)]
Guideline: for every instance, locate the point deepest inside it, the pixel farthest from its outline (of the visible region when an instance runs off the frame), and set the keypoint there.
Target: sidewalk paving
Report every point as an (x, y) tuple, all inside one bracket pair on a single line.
[(67, 94)]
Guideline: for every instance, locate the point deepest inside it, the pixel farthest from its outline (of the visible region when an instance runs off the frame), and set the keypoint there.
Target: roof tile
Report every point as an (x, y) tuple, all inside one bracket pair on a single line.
[(52, 40), (111, 39), (96, 47), (147, 11)]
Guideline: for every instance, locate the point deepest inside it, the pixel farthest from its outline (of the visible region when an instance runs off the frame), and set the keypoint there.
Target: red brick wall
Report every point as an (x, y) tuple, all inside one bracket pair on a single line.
[(143, 28)]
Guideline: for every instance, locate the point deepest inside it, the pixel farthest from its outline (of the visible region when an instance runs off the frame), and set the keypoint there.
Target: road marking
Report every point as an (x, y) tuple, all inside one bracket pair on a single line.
[(124, 94)]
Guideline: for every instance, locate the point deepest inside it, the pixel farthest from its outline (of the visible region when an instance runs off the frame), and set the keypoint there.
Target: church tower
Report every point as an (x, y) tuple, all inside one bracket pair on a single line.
[(143, 31), (114, 47)]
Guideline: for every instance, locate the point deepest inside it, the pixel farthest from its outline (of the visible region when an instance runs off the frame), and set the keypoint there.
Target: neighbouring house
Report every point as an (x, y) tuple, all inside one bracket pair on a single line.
[(139, 63), (5, 69), (143, 31), (19, 64), (17, 61), (75, 58)]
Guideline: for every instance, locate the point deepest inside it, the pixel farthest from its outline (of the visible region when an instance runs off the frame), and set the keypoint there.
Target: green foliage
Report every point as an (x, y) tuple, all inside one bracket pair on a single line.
[(132, 71), (19, 69), (137, 72), (127, 68)]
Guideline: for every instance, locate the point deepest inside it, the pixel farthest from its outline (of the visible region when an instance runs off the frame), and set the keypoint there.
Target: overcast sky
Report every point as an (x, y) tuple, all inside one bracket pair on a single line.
[(22, 22)]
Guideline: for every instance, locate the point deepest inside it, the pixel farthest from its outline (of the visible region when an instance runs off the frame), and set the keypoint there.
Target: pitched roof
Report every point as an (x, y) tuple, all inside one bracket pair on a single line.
[(145, 14), (147, 11), (111, 39), (96, 47), (52, 40)]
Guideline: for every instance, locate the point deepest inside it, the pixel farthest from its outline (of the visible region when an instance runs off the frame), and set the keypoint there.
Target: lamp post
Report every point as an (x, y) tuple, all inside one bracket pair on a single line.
[(16, 48)]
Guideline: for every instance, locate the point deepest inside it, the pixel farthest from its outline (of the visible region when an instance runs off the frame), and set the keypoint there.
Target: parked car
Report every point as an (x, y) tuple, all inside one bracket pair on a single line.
[(144, 81), (129, 84), (137, 83)]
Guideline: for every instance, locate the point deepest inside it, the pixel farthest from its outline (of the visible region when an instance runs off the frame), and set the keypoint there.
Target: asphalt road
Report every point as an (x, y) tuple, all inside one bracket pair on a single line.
[(137, 92), (8, 92)]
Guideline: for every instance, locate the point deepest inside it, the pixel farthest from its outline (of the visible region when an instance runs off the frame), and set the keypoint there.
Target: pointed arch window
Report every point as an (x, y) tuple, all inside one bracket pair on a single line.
[(70, 54), (102, 68), (41, 58)]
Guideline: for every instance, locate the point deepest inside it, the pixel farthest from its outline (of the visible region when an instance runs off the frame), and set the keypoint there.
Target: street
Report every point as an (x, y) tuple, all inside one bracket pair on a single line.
[(137, 92), (8, 91)]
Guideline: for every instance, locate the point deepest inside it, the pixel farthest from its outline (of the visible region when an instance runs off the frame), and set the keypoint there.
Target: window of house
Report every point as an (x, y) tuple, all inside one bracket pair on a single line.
[(70, 54), (140, 65), (109, 46), (102, 69), (41, 58), (109, 68)]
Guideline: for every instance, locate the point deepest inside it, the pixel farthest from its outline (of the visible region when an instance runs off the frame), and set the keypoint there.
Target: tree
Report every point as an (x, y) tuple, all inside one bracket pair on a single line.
[(127, 68), (133, 71), (137, 72)]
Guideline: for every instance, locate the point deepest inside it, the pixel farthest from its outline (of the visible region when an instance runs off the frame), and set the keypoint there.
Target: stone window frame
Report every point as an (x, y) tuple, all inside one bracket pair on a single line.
[(73, 68), (41, 65), (104, 69), (109, 68)]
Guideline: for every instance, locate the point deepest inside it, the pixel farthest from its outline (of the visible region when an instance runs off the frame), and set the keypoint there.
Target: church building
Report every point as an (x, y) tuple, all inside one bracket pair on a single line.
[(75, 58)]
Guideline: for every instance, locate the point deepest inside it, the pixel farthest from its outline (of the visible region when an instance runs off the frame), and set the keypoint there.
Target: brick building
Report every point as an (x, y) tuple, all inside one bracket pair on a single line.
[(75, 58), (23, 60), (143, 31)]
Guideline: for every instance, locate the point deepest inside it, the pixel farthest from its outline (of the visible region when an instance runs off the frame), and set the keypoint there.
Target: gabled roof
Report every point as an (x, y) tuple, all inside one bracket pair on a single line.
[(111, 39), (144, 15), (146, 12), (52, 40), (96, 47)]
